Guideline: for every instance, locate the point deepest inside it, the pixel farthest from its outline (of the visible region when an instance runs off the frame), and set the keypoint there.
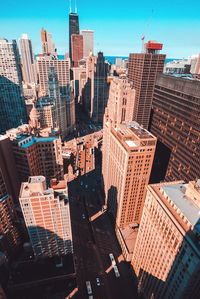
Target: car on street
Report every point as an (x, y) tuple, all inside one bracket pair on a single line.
[(98, 282)]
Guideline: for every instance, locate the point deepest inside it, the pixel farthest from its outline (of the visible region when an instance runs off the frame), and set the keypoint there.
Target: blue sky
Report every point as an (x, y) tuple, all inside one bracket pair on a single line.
[(118, 25)]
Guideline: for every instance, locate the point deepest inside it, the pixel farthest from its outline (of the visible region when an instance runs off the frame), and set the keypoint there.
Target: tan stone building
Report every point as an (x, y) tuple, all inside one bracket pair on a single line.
[(166, 257)]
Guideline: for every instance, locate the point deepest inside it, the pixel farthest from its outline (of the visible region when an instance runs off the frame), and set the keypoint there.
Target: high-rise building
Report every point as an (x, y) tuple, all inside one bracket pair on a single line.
[(96, 89), (48, 46), (128, 152), (36, 155), (47, 217), (77, 48), (8, 168), (175, 122), (12, 104), (9, 234), (73, 29), (88, 42), (166, 258), (59, 110), (27, 60), (62, 68), (142, 71), (121, 101)]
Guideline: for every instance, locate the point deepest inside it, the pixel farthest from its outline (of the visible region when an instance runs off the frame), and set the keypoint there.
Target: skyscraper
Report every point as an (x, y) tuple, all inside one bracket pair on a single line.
[(96, 89), (128, 152), (175, 122), (12, 104), (77, 48), (62, 68), (47, 217), (48, 46), (27, 59), (73, 29), (9, 234), (88, 42), (166, 258), (142, 71), (59, 110), (121, 101)]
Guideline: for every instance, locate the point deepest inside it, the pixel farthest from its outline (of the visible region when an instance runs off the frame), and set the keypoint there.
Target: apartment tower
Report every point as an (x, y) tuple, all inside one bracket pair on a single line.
[(12, 104), (128, 152), (47, 217), (175, 122), (27, 60), (142, 71), (77, 49), (166, 258), (88, 42)]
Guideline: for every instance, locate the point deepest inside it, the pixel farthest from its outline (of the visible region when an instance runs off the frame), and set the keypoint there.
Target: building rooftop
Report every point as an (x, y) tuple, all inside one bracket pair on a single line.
[(184, 203), (131, 134), (25, 140)]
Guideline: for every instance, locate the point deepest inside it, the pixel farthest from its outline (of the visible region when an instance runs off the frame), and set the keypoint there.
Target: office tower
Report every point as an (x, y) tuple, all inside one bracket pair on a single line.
[(88, 42), (73, 29), (195, 66), (77, 48), (175, 122), (12, 105), (59, 102), (48, 46), (45, 108), (27, 60), (62, 68), (166, 257), (8, 168), (47, 217), (34, 117), (36, 155), (128, 152), (9, 235), (95, 93), (121, 101), (142, 71), (70, 106)]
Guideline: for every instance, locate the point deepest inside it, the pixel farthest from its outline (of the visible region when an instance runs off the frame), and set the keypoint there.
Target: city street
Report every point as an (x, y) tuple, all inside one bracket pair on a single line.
[(94, 239)]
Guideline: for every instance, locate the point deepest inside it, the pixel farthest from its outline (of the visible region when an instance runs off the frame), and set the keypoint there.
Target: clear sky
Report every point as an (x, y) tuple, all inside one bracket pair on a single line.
[(118, 25)]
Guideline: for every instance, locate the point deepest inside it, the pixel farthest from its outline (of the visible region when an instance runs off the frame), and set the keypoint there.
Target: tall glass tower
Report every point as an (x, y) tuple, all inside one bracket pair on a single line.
[(73, 29)]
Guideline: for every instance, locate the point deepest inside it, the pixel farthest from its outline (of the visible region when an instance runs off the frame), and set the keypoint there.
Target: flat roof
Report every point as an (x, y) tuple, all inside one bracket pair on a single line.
[(185, 204), (36, 140)]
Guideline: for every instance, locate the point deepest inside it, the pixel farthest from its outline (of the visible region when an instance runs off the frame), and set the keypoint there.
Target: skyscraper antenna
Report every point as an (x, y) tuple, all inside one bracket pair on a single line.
[(70, 6), (75, 7)]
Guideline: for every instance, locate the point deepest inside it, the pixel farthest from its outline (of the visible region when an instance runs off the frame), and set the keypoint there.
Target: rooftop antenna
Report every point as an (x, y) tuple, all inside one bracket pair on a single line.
[(70, 6), (148, 23), (75, 7)]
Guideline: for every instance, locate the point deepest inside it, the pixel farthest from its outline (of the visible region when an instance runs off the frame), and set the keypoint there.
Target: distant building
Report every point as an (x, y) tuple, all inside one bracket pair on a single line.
[(62, 68), (121, 101), (47, 216), (175, 122), (195, 66), (12, 104), (166, 258), (48, 46), (128, 152), (59, 111), (95, 92), (9, 234), (88, 42), (36, 155), (178, 67), (142, 71), (27, 60), (77, 48), (73, 29)]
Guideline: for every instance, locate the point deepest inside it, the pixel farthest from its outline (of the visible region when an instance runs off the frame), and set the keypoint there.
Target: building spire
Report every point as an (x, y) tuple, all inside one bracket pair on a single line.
[(70, 6), (75, 7)]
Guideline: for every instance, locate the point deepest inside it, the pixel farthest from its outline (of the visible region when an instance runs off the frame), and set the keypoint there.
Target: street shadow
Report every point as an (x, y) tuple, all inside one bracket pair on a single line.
[(160, 163), (112, 203), (48, 273), (12, 105)]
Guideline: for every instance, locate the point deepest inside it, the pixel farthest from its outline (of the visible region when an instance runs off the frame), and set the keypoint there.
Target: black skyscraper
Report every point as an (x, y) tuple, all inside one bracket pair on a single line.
[(73, 29)]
